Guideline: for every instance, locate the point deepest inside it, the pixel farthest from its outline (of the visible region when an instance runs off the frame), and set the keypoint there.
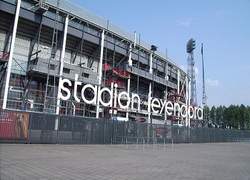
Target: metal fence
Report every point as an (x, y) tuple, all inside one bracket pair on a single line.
[(83, 130)]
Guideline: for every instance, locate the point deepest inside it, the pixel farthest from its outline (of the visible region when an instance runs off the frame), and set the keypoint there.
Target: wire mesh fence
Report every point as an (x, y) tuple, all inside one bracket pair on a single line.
[(32, 127)]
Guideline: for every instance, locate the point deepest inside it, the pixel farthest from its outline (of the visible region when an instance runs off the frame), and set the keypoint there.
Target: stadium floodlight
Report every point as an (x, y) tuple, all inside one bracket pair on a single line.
[(190, 45), (153, 48)]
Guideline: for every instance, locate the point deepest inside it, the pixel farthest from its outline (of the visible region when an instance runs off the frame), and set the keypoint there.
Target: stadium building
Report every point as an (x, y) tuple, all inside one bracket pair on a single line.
[(58, 58)]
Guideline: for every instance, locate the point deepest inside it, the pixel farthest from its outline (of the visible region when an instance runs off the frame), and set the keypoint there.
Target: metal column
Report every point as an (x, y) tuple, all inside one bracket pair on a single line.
[(151, 63), (11, 54), (178, 81), (130, 64), (166, 91), (187, 101), (61, 69), (100, 75), (150, 88)]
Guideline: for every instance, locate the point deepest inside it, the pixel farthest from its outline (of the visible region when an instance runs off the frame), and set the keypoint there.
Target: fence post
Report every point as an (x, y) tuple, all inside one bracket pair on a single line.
[(30, 127), (58, 129), (104, 131)]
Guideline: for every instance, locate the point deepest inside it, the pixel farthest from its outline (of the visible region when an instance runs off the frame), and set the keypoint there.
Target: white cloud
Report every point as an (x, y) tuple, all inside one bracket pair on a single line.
[(211, 82), (185, 21)]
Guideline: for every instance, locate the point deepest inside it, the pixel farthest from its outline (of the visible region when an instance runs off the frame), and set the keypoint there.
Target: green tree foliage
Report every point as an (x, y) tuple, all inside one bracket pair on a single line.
[(233, 117)]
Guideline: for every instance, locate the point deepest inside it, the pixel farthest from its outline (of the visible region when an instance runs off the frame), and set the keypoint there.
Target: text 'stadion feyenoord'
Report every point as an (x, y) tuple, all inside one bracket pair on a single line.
[(155, 105)]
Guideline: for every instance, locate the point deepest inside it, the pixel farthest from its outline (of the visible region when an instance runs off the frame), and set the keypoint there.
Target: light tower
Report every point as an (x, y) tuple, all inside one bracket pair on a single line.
[(204, 97), (191, 70)]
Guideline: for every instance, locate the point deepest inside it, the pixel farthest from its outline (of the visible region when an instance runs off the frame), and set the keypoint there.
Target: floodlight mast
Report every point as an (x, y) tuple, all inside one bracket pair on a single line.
[(191, 71), (204, 97)]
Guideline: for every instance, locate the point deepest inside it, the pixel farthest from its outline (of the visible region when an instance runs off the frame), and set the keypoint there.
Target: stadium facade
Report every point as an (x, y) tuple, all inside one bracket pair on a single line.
[(58, 58)]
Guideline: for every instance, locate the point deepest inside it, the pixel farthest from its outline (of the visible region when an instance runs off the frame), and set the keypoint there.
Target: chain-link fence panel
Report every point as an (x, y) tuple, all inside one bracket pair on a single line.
[(42, 128), (50, 128)]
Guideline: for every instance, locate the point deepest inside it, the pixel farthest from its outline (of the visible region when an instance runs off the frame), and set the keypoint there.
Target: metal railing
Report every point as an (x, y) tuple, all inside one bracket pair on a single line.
[(143, 141), (239, 140)]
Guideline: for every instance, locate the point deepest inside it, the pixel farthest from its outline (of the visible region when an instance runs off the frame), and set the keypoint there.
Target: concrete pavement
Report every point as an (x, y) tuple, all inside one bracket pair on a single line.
[(229, 161)]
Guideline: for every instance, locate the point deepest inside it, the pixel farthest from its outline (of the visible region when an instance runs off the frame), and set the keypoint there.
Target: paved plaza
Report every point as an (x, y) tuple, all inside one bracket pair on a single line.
[(183, 161)]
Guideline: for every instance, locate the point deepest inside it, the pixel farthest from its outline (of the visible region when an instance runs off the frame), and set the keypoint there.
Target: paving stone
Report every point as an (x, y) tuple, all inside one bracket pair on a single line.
[(227, 161)]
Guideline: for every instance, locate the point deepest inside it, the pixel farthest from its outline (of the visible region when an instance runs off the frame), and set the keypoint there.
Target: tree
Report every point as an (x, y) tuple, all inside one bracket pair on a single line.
[(230, 117), (212, 116), (242, 116), (219, 115), (206, 116), (248, 118)]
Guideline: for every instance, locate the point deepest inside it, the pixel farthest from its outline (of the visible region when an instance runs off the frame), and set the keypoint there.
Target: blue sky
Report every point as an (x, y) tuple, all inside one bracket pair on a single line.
[(222, 26)]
